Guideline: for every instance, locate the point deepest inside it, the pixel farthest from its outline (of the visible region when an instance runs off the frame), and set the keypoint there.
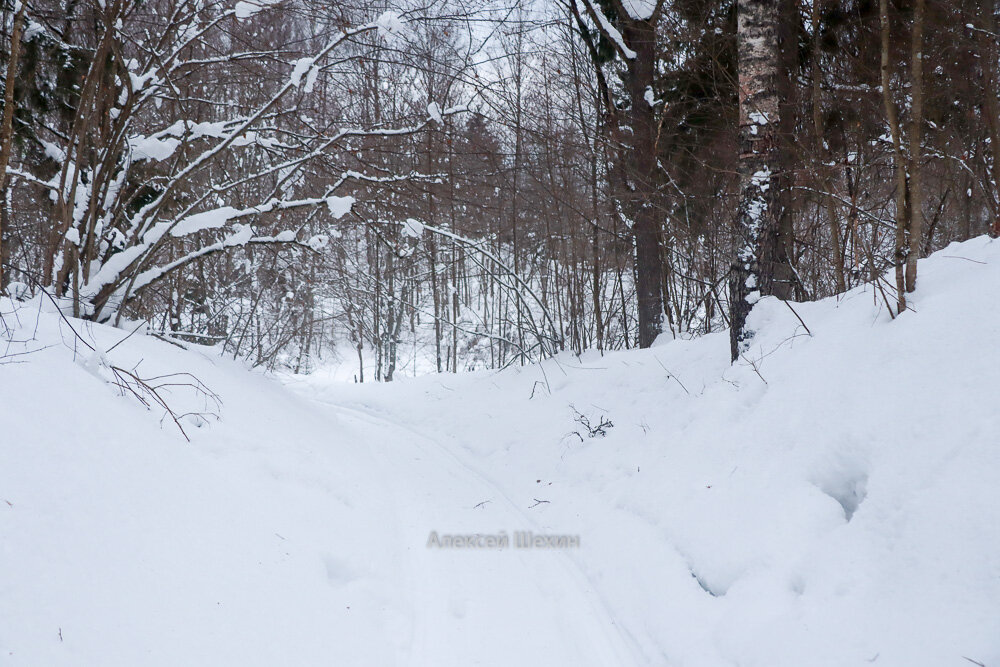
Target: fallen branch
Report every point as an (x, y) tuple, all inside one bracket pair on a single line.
[(147, 391)]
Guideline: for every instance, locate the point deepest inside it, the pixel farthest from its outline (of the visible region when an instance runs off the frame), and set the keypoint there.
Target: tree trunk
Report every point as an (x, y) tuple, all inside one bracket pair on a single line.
[(916, 138), (988, 54), (784, 283), (824, 172), (898, 161), (7, 129), (760, 264), (641, 173), (637, 45)]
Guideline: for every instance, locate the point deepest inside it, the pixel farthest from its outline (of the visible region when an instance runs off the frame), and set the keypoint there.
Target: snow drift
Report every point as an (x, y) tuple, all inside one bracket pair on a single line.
[(831, 499)]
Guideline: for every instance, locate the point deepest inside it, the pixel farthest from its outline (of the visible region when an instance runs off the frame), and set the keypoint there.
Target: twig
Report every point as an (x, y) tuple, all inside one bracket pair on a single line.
[(535, 386), (165, 339), (797, 316), (593, 430), (148, 393), (754, 367), (672, 376), (64, 319), (141, 324)]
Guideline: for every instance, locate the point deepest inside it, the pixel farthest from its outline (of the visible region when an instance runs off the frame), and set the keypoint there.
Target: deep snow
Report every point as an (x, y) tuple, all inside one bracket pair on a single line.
[(831, 499)]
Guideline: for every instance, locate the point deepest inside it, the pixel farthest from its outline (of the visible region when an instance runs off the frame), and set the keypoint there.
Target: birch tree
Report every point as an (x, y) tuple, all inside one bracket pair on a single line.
[(761, 264)]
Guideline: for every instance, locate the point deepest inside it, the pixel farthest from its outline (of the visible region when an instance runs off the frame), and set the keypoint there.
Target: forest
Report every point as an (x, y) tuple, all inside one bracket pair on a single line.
[(559, 333), (461, 184)]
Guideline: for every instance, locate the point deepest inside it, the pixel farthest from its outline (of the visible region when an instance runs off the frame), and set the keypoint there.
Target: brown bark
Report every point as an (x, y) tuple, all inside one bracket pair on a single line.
[(637, 163), (916, 139), (432, 241), (991, 109), (783, 282), (641, 174), (898, 160), (823, 155), (7, 129)]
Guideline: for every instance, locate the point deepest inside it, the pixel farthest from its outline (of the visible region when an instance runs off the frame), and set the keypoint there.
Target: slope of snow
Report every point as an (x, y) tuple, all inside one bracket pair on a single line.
[(284, 533), (829, 500), (122, 544)]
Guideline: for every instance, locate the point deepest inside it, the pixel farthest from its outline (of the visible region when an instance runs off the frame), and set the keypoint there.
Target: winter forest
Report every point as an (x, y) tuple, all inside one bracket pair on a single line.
[(421, 333), (463, 185)]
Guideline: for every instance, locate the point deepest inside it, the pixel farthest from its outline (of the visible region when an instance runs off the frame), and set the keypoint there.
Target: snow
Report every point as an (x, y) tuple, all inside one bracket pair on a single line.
[(413, 228), (311, 79), (434, 112), (32, 29), (640, 10), (829, 500), (140, 82), (650, 97), (391, 27), (609, 30), (339, 206), (762, 179), (212, 219), (152, 148), (302, 65), (244, 9), (243, 233), (116, 264), (318, 242), (52, 151)]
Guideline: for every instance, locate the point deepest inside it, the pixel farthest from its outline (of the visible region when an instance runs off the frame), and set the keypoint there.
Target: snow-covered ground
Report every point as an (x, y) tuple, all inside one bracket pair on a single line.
[(832, 499)]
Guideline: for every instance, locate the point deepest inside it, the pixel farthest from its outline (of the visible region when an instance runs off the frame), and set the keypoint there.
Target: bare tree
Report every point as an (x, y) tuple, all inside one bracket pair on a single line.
[(7, 127), (632, 32)]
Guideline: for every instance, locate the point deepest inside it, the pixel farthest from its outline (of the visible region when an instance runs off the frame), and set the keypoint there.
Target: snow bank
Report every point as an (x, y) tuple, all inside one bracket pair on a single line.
[(258, 543), (829, 500)]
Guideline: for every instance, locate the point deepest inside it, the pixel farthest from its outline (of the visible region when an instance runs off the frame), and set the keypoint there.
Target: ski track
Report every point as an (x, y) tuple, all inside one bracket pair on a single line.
[(550, 610)]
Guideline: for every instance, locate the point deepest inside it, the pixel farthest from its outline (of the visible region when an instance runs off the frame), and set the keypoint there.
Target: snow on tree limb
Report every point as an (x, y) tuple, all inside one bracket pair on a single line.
[(242, 236), (609, 30), (140, 234)]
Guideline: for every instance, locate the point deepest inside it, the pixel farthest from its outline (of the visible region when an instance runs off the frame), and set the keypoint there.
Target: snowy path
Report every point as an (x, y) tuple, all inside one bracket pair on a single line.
[(290, 531), (480, 606), (723, 522)]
